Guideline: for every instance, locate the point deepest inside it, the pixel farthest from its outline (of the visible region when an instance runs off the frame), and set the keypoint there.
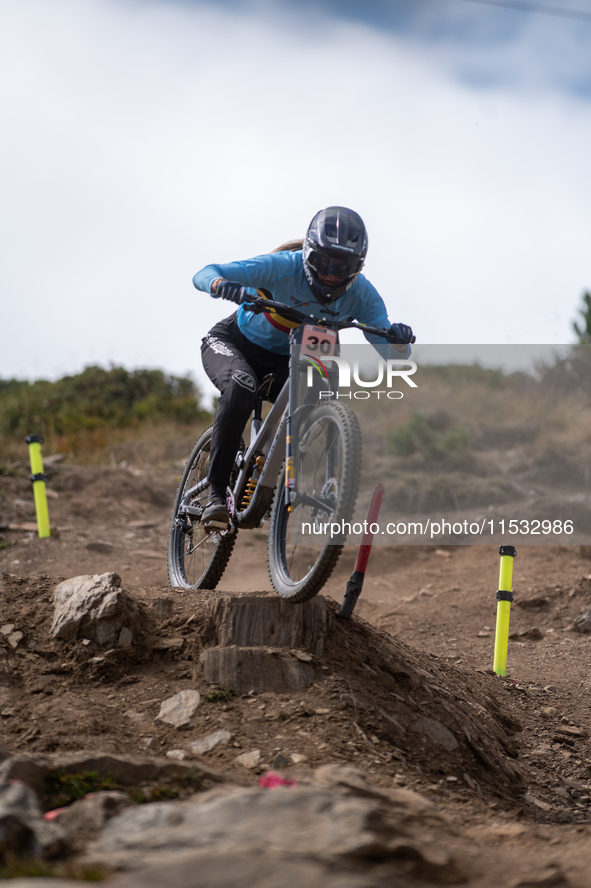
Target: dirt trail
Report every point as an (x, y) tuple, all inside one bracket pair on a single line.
[(517, 785)]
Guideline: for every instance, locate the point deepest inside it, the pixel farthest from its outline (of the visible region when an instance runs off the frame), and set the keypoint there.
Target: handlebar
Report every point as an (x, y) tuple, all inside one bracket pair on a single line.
[(258, 304)]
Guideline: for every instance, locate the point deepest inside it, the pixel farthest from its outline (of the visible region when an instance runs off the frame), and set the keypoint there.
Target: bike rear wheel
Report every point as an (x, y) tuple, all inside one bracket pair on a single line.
[(197, 558), (328, 468)]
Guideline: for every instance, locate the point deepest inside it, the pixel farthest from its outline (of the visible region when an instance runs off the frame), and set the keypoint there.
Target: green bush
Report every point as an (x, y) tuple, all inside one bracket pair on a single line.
[(425, 435), (96, 398)]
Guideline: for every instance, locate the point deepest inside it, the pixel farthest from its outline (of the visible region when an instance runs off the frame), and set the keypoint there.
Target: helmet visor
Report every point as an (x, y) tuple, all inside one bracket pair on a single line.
[(342, 268)]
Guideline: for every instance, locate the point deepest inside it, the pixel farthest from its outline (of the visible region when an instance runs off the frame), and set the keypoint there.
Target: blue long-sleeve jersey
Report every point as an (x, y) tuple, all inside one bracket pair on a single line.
[(282, 274)]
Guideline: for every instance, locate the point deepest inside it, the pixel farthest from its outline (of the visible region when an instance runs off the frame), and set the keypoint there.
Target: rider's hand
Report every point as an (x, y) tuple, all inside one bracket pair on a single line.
[(401, 334), (232, 291)]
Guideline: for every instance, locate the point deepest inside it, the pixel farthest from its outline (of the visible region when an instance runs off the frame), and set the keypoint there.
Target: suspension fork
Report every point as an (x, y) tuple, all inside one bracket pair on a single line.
[(332, 450), (293, 396)]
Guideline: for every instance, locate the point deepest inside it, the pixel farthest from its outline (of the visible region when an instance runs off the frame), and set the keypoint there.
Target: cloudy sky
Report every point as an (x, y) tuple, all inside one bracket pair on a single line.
[(143, 139)]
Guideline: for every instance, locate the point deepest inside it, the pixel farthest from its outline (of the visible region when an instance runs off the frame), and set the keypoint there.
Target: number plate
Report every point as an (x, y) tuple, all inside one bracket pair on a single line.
[(318, 341)]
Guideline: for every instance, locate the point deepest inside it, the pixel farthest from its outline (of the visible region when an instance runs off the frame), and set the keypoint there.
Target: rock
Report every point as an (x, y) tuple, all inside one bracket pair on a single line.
[(93, 607), (571, 731), (541, 752), (210, 742), (249, 759), (339, 823), (180, 709), (246, 869), (179, 755), (127, 770), (298, 759), (255, 669), (14, 638), (552, 878), (582, 623), (7, 629), (82, 820), (533, 634), (280, 761), (23, 832)]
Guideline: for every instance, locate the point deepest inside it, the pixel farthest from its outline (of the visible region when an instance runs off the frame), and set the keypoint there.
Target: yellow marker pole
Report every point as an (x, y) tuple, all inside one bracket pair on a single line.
[(38, 479), (504, 599)]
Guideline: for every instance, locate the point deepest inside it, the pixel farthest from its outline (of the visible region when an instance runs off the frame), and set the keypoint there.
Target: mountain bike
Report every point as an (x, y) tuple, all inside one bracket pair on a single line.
[(302, 467)]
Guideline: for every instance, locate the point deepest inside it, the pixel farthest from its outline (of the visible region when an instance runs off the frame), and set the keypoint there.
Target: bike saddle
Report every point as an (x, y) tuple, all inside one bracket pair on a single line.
[(265, 386)]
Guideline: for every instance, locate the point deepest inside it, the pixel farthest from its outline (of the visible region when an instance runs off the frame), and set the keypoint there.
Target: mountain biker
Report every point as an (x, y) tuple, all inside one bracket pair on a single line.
[(322, 273)]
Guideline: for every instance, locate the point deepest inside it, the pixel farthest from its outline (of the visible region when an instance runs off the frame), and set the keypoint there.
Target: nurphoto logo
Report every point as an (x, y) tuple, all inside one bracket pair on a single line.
[(387, 372)]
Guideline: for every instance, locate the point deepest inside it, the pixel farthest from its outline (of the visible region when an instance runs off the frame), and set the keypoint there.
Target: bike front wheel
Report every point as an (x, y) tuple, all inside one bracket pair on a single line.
[(328, 465), (197, 557)]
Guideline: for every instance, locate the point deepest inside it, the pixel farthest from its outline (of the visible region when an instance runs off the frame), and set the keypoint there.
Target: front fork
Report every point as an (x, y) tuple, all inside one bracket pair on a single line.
[(292, 435), (294, 390)]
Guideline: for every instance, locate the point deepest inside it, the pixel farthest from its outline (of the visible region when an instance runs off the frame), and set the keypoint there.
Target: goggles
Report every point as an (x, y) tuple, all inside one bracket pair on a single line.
[(342, 268)]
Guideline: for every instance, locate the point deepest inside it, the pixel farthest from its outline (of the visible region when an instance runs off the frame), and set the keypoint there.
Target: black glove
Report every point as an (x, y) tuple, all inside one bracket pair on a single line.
[(232, 291), (401, 334)]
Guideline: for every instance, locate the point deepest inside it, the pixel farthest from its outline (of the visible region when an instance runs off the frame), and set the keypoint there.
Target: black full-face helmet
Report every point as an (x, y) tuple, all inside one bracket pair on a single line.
[(335, 245)]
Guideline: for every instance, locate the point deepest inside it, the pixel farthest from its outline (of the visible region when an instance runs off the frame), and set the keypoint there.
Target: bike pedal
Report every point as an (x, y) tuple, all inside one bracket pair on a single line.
[(216, 525)]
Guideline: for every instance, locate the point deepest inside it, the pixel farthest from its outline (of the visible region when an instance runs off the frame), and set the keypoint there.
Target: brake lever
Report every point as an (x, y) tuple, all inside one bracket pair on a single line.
[(254, 308)]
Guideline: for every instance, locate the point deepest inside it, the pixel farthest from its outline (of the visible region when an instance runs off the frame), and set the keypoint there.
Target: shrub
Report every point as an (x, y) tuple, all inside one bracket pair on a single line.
[(96, 399), (426, 436)]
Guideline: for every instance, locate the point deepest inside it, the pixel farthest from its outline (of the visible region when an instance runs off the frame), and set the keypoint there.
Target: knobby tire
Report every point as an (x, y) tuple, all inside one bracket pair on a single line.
[(329, 465), (197, 560)]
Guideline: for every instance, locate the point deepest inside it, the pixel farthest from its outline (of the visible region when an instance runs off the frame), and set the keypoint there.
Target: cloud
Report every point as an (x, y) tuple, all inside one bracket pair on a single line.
[(145, 140), (483, 45)]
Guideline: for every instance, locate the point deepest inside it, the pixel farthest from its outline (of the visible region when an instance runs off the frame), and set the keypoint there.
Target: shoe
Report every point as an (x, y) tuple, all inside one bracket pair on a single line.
[(216, 513)]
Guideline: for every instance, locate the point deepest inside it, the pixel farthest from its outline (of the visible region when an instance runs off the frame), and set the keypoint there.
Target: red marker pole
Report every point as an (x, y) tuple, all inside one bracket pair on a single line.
[(355, 584)]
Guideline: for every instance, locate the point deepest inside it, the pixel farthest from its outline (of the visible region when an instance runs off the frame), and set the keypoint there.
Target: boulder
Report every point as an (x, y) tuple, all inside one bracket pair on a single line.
[(94, 607), (246, 869), (127, 770), (83, 820), (339, 818), (23, 832)]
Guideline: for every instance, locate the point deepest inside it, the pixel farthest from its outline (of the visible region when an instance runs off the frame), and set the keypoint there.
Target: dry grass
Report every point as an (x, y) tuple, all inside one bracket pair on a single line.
[(459, 443), (161, 443)]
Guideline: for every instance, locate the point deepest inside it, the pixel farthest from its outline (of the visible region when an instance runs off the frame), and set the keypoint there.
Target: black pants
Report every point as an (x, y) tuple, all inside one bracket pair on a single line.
[(236, 366)]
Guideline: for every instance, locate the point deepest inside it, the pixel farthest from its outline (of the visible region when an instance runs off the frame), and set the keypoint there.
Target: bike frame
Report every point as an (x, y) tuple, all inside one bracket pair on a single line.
[(267, 435), (267, 440)]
